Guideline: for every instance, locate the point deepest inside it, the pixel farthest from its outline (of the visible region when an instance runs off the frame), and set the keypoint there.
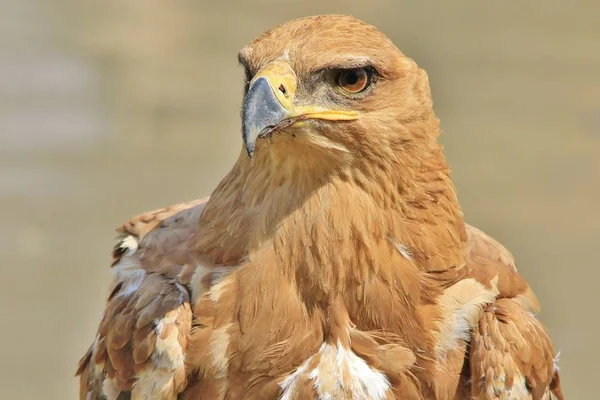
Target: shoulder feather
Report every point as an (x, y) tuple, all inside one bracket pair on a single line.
[(132, 232), (141, 341)]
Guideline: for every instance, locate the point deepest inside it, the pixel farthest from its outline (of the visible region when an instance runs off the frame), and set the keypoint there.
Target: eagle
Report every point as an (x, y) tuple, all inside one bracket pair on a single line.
[(331, 262)]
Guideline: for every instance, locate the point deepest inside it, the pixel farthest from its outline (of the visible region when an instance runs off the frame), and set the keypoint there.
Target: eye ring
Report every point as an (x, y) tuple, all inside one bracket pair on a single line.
[(355, 80)]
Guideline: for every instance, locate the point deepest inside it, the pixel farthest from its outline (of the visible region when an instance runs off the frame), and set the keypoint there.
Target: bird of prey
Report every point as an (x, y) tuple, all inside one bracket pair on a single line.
[(331, 262)]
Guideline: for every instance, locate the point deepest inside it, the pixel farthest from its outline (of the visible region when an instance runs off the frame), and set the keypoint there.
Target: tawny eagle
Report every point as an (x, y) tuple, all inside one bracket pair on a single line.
[(331, 262)]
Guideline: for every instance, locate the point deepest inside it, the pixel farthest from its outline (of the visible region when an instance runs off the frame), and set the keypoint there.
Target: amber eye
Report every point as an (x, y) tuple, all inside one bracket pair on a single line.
[(354, 80)]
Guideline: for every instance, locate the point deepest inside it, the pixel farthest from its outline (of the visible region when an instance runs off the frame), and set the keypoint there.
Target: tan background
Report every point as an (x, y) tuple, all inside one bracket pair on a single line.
[(109, 108)]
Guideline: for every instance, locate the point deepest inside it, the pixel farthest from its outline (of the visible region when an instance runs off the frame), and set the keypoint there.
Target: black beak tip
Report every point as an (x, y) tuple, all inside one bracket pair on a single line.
[(249, 139), (250, 151)]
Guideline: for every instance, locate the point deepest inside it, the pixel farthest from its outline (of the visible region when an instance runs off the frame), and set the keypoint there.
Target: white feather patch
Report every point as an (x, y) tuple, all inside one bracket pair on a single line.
[(461, 305), (403, 249), (556, 361), (339, 371), (518, 390), (290, 383), (130, 244), (338, 362)]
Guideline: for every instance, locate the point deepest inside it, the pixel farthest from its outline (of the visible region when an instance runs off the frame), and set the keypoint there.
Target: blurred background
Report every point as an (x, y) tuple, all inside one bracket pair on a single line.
[(110, 108)]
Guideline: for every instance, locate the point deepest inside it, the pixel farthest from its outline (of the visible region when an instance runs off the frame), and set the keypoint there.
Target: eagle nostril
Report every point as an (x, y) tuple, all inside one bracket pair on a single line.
[(282, 89)]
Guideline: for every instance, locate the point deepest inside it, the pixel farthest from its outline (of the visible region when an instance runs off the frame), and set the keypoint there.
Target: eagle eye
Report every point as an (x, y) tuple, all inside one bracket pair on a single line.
[(354, 80)]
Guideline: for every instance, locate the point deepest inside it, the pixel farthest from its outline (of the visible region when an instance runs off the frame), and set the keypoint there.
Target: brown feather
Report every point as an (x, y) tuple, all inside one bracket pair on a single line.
[(334, 264)]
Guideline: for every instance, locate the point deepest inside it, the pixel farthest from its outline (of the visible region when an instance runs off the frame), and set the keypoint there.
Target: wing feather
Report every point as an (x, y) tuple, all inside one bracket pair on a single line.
[(141, 340), (511, 355)]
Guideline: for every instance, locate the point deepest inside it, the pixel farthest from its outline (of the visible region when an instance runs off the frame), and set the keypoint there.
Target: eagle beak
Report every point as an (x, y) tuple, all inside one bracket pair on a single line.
[(269, 105)]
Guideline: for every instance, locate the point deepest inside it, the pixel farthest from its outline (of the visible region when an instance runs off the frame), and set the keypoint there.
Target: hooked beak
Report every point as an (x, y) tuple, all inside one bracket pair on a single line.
[(268, 105)]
